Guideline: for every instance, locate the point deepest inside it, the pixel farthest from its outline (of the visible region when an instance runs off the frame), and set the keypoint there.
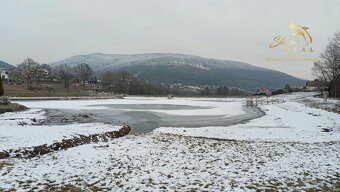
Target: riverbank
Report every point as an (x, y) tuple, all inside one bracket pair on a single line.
[(74, 141), (12, 107), (66, 98), (31, 133), (293, 120), (56, 90)]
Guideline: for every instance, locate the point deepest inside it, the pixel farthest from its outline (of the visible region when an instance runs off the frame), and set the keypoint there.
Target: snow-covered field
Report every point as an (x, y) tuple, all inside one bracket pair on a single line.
[(289, 121), (158, 162), (18, 130), (286, 150)]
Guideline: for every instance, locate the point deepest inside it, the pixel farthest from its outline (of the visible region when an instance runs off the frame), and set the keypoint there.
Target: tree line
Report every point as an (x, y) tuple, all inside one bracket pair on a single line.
[(327, 68), (32, 73), (118, 82)]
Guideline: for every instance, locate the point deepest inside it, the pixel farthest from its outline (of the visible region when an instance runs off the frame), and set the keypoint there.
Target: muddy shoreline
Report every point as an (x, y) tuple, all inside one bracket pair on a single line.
[(12, 107), (29, 152)]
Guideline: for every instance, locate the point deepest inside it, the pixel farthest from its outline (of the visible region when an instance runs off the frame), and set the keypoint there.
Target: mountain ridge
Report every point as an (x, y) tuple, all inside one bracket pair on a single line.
[(186, 69), (5, 65)]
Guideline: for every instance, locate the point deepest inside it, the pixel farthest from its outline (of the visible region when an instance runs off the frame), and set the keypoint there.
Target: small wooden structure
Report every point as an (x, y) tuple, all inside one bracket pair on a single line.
[(170, 96), (250, 102)]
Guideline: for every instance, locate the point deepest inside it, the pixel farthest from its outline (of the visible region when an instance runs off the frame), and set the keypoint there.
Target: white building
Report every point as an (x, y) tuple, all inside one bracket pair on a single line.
[(4, 75)]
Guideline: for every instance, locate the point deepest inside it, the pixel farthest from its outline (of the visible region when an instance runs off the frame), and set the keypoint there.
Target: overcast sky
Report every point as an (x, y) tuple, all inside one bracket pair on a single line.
[(52, 30)]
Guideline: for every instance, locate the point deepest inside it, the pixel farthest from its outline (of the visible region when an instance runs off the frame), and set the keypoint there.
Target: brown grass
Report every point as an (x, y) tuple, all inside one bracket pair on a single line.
[(45, 90)]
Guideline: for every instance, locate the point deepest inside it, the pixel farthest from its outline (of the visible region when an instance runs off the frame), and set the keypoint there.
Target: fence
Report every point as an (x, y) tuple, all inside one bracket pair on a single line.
[(256, 101)]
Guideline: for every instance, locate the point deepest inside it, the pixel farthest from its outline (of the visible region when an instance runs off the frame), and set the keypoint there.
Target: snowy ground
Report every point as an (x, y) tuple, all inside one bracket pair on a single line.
[(289, 121), (23, 129), (284, 150), (157, 162)]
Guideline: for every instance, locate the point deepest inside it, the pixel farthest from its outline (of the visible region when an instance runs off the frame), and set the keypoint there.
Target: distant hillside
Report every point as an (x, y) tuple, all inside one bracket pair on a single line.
[(186, 69), (5, 65)]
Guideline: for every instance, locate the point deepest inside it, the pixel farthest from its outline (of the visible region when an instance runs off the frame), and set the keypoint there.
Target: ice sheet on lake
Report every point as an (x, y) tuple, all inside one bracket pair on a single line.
[(210, 107)]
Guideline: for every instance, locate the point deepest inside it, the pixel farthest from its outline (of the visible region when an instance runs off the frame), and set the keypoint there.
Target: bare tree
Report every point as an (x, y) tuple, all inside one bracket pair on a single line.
[(65, 73), (83, 72), (29, 69), (328, 67), (109, 80), (38, 75)]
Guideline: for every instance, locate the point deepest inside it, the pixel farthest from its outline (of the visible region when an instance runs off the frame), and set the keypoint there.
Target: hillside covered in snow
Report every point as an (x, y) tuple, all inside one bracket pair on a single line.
[(171, 68)]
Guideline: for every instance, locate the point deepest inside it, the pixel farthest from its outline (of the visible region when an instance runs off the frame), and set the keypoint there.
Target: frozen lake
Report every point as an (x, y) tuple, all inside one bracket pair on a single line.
[(145, 114), (289, 141)]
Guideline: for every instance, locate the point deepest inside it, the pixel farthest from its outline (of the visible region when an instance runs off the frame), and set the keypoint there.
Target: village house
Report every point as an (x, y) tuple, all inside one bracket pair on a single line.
[(264, 91), (315, 85), (4, 75), (45, 72)]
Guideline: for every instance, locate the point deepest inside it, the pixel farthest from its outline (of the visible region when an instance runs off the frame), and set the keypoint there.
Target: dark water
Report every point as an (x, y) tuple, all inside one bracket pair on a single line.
[(146, 121)]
